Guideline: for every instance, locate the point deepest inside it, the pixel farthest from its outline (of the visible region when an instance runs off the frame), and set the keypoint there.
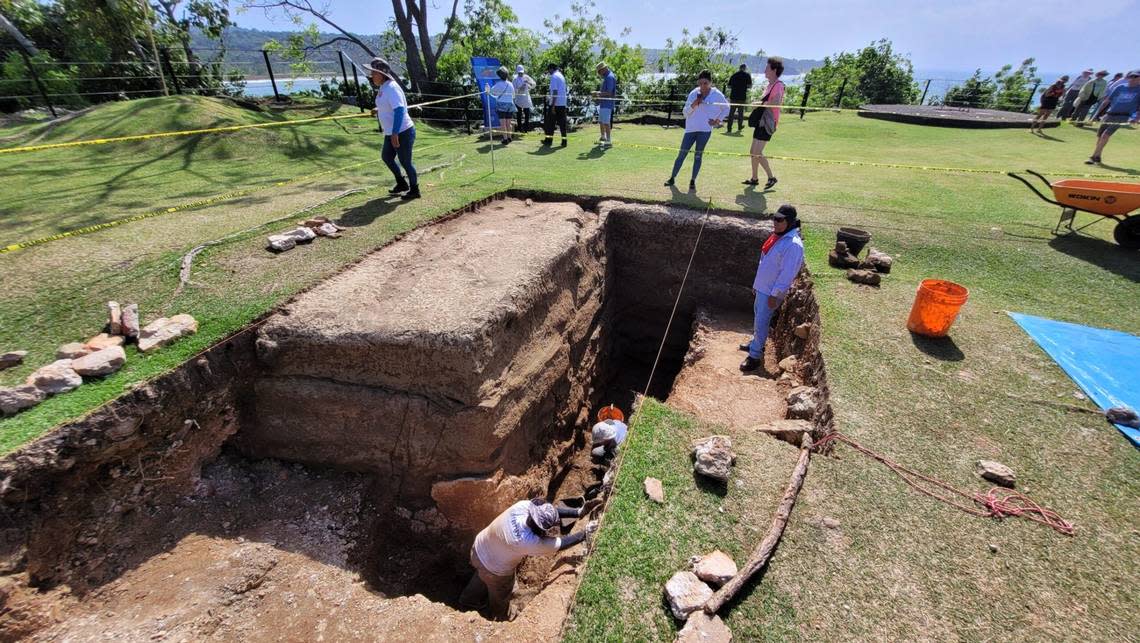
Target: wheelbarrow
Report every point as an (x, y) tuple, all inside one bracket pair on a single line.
[(1110, 199)]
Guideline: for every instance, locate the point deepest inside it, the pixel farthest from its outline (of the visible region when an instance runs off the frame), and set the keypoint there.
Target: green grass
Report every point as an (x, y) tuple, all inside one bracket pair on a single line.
[(902, 566)]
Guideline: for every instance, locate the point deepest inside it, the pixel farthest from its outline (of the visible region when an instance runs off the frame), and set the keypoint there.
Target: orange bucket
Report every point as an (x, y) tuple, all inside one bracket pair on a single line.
[(936, 306)]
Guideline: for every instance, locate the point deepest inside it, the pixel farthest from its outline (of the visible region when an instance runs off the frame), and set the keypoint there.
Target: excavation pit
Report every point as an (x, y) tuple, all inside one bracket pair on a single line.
[(325, 471)]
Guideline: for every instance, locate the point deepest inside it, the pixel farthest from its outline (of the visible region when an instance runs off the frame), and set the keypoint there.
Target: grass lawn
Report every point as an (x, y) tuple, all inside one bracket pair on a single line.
[(900, 566)]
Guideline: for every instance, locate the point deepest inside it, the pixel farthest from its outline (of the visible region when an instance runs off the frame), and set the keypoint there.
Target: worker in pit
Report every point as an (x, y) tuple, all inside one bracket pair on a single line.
[(501, 547), (608, 433)]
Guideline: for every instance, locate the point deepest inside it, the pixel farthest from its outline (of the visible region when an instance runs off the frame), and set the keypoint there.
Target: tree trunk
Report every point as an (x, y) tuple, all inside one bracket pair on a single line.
[(18, 36), (416, 73)]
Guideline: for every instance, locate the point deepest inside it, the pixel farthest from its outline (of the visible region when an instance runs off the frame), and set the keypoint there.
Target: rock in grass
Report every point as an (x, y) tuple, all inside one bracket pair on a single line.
[(716, 568), (12, 358), (114, 318), (1117, 415), (686, 594), (57, 377), (996, 473), (867, 277), (281, 242), (74, 350), (103, 340), (878, 261), (713, 457), (654, 490), (301, 234), (16, 399), (100, 363), (702, 628), (328, 230), (845, 260), (162, 331), (131, 321)]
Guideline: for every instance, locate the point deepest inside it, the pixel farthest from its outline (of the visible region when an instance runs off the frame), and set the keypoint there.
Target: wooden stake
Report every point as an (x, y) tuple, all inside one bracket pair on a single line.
[(764, 550)]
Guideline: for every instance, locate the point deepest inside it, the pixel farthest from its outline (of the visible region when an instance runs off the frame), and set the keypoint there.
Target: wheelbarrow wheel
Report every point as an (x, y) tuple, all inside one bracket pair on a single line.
[(1127, 233)]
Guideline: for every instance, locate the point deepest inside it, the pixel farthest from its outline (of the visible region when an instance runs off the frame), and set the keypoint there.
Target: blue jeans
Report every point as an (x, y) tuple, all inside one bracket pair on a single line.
[(701, 139), (404, 153), (762, 316)]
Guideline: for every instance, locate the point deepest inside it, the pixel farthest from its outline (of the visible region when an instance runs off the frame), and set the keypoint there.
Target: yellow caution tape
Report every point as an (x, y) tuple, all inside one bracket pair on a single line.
[(209, 130)]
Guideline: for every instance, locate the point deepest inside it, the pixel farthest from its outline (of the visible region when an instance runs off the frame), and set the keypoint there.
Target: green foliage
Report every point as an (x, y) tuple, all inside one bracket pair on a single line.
[(874, 74), (1009, 89), (58, 81), (488, 28), (976, 91), (577, 43), (712, 48)]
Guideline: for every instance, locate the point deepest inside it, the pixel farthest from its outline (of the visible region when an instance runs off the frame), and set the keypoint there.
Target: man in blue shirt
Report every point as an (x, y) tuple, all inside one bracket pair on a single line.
[(781, 258), (605, 97), (1122, 106)]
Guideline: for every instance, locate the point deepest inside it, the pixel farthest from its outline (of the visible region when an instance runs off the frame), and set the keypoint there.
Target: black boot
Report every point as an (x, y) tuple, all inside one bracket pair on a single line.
[(413, 193), (401, 186), (750, 364)]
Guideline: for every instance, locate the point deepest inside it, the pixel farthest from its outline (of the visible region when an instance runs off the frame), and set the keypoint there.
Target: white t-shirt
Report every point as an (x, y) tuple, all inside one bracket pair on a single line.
[(388, 98), (504, 543), (557, 94), (523, 85), (714, 106)]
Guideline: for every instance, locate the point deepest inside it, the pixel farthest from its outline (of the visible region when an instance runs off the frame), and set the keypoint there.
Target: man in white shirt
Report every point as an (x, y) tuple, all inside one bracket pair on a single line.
[(705, 108), (501, 547), (555, 105), (523, 85)]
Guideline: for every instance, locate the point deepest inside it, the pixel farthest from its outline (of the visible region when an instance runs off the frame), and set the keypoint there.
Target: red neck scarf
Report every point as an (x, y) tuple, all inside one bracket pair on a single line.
[(769, 242)]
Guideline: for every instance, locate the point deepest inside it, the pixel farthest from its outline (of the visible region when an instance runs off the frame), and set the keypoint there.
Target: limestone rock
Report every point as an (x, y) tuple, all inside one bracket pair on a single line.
[(830, 523), (74, 350), (57, 377), (16, 399), (654, 490), (471, 503), (878, 261), (12, 358), (100, 363), (162, 331), (103, 340), (713, 457), (716, 568), (845, 260), (802, 402), (867, 277), (702, 628), (789, 364), (790, 431), (131, 321), (803, 331), (301, 234), (995, 472), (328, 230), (281, 242), (114, 318), (686, 594)]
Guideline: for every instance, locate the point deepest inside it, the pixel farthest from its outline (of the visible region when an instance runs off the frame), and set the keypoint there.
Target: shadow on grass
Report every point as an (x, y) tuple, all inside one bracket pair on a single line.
[(942, 348), (1103, 254), (1123, 170), (708, 485), (366, 213), (752, 201)]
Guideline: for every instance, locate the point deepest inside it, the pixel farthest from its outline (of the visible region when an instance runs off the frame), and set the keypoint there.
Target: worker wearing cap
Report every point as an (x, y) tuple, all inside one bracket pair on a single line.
[(523, 86), (607, 436), (518, 532), (555, 106), (781, 258), (1122, 106), (605, 97), (399, 130)]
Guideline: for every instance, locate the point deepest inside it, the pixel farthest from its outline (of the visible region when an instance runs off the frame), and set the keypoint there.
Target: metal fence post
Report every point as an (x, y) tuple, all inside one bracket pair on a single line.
[(356, 82), (1029, 101), (842, 89), (343, 71), (924, 90), (269, 68), (804, 100), (669, 118), (39, 85), (165, 54)]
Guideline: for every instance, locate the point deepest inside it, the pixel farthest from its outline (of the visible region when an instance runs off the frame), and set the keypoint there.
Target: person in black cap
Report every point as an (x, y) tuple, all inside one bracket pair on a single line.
[(781, 258), (399, 130)]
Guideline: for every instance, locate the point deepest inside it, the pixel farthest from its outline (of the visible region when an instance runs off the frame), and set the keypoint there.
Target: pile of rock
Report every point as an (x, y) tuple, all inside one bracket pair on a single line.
[(867, 271), (688, 591), (305, 232), (713, 457), (99, 356)]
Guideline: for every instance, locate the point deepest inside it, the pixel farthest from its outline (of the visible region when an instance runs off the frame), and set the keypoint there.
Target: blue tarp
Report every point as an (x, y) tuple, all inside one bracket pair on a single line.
[(1105, 363)]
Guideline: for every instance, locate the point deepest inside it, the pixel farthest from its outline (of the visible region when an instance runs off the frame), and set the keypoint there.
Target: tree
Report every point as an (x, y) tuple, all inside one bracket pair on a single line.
[(488, 28), (209, 17), (975, 92), (17, 35), (874, 74), (579, 42), (712, 48), (1009, 89)]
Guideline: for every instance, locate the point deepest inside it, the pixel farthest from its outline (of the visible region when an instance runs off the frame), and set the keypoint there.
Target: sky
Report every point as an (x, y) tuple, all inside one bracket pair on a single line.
[(953, 35)]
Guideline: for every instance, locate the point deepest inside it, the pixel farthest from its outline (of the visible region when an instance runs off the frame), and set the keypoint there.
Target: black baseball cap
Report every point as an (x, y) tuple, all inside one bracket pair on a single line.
[(787, 212)]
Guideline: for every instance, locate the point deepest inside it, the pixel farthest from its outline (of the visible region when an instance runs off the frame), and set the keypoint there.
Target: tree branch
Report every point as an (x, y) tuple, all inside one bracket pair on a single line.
[(18, 36), (305, 6), (447, 33)]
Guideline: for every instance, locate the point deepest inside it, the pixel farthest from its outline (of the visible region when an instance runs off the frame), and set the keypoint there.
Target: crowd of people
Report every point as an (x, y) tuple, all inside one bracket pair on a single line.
[(1092, 97)]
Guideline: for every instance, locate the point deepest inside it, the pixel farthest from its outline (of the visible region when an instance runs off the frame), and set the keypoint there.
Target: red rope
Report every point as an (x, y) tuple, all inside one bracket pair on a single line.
[(997, 502)]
